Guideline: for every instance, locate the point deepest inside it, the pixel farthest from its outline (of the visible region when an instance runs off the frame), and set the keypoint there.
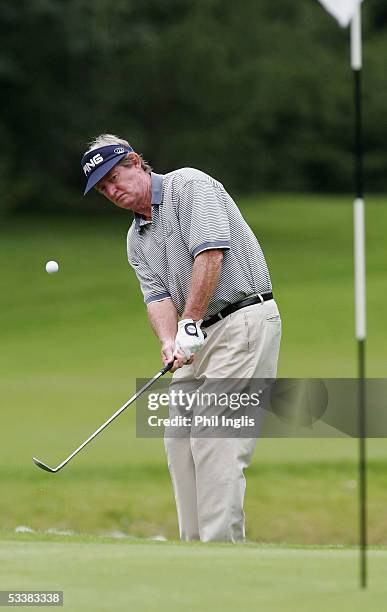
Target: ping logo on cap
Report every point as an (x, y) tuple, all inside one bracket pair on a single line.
[(96, 163), (92, 163)]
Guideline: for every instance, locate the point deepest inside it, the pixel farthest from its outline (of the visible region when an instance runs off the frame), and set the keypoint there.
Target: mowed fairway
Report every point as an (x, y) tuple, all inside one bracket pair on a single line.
[(72, 346), (171, 577)]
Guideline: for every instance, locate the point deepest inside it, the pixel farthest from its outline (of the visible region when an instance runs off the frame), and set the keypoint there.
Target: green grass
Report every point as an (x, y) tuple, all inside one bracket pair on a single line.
[(313, 503), (100, 575), (72, 345)]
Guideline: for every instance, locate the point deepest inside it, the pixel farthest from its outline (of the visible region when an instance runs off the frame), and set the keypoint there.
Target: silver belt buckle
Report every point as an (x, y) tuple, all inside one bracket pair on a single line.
[(260, 298), (220, 316)]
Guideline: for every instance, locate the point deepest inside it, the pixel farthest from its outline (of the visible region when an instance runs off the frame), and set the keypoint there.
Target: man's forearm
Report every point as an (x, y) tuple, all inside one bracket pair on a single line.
[(163, 318), (205, 276)]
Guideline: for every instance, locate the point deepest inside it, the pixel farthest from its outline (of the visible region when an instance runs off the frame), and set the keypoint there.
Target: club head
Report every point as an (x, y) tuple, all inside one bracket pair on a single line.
[(43, 466)]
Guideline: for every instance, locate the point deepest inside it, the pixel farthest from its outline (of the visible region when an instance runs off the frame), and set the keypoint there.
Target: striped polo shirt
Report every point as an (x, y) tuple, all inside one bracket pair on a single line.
[(192, 213)]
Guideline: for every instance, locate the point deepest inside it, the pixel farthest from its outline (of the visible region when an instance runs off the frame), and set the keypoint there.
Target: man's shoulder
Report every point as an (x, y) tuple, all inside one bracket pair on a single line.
[(179, 178)]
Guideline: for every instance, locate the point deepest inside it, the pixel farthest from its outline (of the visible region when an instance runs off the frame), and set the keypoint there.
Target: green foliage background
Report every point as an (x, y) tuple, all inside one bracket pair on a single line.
[(257, 93)]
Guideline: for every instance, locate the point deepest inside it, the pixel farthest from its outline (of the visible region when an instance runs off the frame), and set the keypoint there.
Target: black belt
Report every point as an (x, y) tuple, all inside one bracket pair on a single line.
[(257, 299)]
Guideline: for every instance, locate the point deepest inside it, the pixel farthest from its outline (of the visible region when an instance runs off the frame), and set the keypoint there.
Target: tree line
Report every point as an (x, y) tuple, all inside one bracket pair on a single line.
[(257, 93)]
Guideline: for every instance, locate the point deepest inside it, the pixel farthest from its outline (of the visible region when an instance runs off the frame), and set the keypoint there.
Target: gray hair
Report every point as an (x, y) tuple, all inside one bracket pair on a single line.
[(104, 140)]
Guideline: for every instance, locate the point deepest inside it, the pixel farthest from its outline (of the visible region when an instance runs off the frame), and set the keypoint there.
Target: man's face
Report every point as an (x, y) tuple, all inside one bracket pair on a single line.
[(127, 187)]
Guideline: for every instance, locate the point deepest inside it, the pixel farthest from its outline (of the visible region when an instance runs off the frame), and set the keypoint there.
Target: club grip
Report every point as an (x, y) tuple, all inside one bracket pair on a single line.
[(166, 368)]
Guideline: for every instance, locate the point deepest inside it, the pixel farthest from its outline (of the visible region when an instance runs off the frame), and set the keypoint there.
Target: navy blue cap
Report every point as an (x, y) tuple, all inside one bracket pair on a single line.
[(96, 163)]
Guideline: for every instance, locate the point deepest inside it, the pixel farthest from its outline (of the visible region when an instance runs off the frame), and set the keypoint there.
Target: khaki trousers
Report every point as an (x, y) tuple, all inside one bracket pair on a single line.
[(208, 473)]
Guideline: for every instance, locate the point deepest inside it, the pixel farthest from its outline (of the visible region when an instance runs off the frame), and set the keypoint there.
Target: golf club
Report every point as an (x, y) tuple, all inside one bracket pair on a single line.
[(150, 382)]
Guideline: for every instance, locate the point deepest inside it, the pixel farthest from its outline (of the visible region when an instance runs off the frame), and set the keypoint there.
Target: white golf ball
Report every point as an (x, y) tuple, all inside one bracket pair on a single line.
[(52, 267)]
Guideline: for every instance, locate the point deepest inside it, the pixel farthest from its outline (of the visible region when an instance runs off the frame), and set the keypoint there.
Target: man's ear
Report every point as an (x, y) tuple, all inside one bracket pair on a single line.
[(135, 159)]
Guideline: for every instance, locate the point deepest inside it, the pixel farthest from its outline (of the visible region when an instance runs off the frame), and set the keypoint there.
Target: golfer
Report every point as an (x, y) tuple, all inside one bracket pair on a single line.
[(200, 267)]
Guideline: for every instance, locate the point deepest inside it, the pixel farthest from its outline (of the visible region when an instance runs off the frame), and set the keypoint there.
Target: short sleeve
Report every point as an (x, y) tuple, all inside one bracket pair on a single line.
[(203, 218), (152, 288)]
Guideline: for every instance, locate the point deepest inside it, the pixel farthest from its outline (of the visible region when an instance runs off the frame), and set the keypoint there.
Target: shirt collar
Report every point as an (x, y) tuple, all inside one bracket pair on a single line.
[(156, 198)]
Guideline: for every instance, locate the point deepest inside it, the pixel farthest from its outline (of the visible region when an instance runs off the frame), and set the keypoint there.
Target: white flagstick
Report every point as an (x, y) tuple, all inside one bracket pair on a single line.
[(360, 277), (349, 11), (360, 288), (356, 50), (358, 207)]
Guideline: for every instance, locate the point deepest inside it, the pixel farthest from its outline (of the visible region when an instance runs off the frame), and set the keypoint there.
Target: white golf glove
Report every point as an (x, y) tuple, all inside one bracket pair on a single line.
[(189, 338)]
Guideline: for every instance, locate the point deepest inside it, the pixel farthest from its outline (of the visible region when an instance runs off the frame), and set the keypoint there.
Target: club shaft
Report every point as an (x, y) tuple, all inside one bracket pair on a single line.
[(114, 416)]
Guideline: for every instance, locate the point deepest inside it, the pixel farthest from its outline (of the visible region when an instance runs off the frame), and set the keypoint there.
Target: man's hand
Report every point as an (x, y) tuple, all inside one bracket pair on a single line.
[(170, 353), (189, 338)]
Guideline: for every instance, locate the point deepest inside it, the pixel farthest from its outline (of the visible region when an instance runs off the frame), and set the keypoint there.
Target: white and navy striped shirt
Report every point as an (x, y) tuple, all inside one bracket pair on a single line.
[(191, 213)]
